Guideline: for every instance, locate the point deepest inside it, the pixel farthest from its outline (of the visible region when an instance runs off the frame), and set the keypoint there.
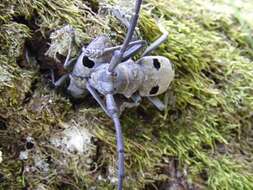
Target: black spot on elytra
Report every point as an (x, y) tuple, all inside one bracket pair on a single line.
[(154, 90), (29, 145), (156, 63), (87, 62)]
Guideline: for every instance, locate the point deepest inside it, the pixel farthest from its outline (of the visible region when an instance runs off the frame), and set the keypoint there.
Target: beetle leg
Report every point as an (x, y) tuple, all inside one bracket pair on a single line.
[(97, 98), (66, 62), (121, 17), (60, 81), (133, 48), (156, 44), (157, 102), (69, 62), (125, 104), (118, 54)]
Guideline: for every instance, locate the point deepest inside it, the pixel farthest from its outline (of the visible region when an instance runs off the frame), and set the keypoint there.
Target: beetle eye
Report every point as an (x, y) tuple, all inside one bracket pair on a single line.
[(87, 62), (156, 64), (154, 90)]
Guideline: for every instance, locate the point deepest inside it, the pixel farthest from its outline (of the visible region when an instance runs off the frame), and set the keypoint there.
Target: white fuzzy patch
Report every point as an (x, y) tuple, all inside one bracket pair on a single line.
[(73, 140), (23, 155), (41, 164)]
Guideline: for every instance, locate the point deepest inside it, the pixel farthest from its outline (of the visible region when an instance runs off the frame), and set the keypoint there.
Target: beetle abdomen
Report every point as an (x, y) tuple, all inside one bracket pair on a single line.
[(158, 74)]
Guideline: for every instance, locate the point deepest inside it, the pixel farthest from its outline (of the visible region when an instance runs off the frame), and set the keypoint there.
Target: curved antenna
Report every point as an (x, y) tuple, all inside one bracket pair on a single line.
[(120, 150), (110, 102), (116, 59), (112, 109), (111, 106)]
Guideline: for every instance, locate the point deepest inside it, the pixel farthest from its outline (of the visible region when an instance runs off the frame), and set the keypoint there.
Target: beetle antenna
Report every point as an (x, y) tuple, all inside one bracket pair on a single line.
[(116, 59), (112, 109), (120, 150), (110, 102)]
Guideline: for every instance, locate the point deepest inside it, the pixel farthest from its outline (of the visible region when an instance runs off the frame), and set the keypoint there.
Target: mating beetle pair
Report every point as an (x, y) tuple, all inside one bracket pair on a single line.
[(106, 71)]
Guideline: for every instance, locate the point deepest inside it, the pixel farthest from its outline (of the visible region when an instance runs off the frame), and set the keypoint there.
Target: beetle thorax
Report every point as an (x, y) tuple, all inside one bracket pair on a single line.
[(127, 78)]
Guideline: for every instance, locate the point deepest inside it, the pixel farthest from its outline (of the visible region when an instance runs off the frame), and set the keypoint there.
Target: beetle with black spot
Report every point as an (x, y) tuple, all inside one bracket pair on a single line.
[(106, 71)]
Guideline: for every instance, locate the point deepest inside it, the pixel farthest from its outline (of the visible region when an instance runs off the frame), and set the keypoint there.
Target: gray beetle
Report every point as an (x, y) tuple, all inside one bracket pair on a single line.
[(90, 57), (103, 70)]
